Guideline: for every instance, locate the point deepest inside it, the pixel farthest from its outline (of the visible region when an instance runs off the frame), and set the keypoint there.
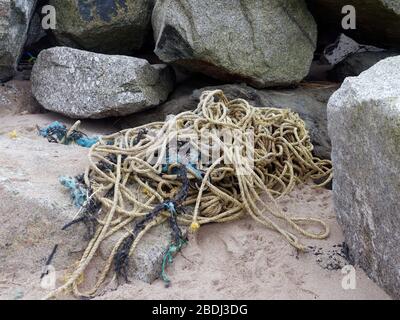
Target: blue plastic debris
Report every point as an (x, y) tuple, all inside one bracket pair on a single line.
[(57, 132), (87, 142), (77, 190), (56, 128)]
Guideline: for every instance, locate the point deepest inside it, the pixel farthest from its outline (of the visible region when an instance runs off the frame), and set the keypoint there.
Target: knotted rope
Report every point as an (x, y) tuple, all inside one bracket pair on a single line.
[(140, 183)]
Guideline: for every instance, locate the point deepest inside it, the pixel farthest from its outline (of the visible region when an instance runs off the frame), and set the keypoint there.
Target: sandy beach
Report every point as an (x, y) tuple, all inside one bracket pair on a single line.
[(243, 260), (240, 260)]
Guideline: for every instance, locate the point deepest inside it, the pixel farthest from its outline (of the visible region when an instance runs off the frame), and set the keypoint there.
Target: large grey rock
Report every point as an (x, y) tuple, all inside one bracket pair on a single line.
[(82, 84), (263, 42), (15, 16), (364, 125), (107, 26), (378, 21), (309, 102), (356, 63)]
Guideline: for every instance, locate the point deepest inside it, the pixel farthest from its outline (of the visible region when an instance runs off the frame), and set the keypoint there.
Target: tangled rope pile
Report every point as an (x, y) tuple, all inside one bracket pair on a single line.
[(139, 183)]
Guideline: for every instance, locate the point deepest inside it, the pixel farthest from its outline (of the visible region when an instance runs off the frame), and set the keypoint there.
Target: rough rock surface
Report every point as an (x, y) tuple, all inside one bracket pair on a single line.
[(344, 47), (364, 125), (237, 40), (36, 207), (309, 102), (82, 84), (35, 32), (107, 26), (356, 63), (378, 21), (14, 23)]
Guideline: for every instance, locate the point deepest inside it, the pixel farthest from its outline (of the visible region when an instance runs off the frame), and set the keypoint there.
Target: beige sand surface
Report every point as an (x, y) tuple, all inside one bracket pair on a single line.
[(243, 260)]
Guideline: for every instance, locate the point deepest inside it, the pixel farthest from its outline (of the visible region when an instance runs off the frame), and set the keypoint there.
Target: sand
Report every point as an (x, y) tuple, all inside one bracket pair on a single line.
[(243, 260)]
